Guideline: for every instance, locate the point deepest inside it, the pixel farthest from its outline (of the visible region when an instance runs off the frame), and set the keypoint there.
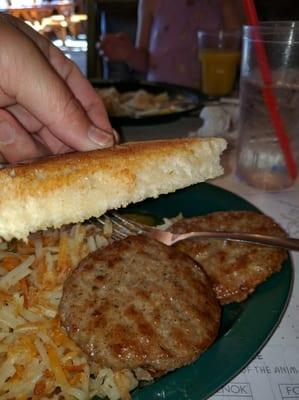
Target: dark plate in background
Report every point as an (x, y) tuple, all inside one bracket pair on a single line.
[(195, 97)]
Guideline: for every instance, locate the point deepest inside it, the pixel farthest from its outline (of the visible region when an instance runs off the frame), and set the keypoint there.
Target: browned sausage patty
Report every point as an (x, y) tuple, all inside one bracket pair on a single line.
[(234, 268), (137, 303)]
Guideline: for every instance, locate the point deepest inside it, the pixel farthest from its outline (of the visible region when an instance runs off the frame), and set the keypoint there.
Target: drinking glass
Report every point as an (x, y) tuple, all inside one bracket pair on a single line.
[(260, 161), (219, 59)]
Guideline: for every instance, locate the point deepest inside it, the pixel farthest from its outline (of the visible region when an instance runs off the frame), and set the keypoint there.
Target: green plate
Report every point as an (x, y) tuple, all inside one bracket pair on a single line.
[(245, 327)]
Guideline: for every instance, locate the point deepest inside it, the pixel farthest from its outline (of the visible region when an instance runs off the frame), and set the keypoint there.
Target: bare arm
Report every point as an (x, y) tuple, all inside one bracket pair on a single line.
[(145, 18), (118, 47)]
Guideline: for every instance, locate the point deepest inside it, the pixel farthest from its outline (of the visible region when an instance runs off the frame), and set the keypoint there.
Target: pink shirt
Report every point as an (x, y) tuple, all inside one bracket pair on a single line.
[(173, 41)]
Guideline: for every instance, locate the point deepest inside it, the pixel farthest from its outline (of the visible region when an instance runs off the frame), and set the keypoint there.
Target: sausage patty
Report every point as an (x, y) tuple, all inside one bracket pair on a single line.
[(138, 303), (234, 268)]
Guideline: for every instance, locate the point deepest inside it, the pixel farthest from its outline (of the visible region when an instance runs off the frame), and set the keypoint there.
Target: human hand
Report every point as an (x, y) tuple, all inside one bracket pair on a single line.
[(46, 104), (116, 47)]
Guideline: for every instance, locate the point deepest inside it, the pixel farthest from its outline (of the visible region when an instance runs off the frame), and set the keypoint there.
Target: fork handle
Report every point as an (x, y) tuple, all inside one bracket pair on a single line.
[(271, 241)]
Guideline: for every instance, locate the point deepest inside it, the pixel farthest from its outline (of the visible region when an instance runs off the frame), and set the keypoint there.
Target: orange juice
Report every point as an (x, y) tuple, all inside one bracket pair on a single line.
[(218, 70)]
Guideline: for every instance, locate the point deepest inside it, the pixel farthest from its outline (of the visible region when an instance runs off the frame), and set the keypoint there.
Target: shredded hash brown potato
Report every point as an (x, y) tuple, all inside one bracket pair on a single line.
[(37, 358), (141, 103)]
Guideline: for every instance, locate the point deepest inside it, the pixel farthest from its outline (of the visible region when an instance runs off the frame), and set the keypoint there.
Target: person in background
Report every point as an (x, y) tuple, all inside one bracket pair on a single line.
[(46, 104), (166, 40)]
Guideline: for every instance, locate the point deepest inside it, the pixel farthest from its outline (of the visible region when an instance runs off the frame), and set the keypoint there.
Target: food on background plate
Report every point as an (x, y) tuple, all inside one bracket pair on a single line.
[(73, 187), (140, 103), (145, 305), (234, 268)]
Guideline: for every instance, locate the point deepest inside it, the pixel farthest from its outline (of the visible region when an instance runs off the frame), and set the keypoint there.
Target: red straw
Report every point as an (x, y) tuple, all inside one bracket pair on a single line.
[(268, 94)]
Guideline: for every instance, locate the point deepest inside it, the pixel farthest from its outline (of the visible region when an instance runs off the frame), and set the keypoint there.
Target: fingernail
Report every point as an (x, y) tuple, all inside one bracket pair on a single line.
[(7, 133), (116, 136), (99, 137)]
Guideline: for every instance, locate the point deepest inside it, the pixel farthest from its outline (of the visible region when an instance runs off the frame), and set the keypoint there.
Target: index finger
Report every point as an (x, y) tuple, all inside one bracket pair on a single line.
[(71, 74), (47, 97), (81, 88)]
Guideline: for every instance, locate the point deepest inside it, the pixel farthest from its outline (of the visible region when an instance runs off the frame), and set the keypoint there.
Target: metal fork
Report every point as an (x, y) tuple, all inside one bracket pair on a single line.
[(123, 227)]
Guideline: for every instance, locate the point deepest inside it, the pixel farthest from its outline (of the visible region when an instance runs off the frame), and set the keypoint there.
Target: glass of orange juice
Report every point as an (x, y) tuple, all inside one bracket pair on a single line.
[(219, 60)]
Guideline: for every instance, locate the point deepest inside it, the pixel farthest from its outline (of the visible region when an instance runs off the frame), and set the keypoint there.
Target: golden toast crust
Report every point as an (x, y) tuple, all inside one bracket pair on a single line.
[(75, 186)]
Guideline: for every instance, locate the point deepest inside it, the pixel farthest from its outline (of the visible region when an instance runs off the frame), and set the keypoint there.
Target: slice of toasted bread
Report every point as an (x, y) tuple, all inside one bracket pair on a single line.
[(73, 187)]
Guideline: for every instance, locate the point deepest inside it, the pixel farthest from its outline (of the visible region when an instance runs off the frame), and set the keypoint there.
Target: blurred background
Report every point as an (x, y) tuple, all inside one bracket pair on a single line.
[(75, 26)]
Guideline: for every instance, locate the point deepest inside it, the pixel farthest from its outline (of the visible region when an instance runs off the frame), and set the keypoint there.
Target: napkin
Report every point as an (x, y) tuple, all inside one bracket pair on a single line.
[(220, 119)]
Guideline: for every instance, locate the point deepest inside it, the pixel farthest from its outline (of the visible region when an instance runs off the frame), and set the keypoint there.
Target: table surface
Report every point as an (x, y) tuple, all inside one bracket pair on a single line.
[(274, 373)]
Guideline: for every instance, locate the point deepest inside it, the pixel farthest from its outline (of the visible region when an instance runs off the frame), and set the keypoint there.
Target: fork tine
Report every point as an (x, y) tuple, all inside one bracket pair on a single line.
[(117, 235), (121, 228), (117, 232), (129, 225)]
